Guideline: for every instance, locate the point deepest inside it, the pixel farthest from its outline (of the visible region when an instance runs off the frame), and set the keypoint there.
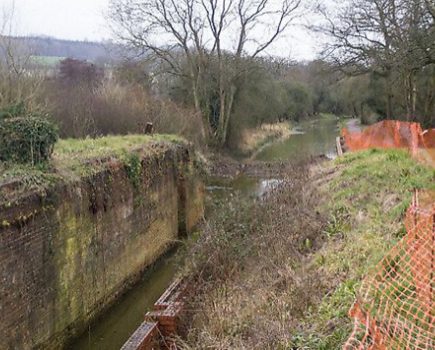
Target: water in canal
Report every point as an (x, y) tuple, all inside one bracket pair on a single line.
[(309, 139), (112, 330), (312, 138)]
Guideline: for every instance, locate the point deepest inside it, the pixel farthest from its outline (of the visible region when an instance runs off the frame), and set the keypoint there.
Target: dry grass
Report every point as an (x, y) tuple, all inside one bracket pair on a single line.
[(248, 268), (252, 139), (282, 273)]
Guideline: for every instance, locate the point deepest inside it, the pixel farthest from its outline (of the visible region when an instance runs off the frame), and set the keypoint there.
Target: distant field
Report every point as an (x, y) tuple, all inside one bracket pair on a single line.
[(48, 61)]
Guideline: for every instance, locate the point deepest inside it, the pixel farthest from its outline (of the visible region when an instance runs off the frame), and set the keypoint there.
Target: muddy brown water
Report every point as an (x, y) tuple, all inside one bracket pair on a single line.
[(110, 332)]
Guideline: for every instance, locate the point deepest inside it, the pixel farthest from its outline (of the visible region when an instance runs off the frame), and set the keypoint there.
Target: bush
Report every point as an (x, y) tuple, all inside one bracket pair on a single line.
[(27, 139), (12, 111), (113, 108)]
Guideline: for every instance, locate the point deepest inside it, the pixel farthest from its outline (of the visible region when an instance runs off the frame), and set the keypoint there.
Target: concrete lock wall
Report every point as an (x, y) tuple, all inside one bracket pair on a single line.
[(66, 255)]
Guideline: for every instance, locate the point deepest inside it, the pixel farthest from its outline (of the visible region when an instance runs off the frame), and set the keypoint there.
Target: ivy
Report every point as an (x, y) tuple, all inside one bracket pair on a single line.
[(133, 167), (15, 110), (27, 139)]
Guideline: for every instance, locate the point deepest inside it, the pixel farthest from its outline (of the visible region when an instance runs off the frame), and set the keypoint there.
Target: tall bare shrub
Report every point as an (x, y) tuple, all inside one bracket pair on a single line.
[(87, 102), (17, 82)]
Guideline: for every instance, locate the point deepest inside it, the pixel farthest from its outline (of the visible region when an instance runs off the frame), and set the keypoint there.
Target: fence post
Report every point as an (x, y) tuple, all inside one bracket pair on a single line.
[(149, 129)]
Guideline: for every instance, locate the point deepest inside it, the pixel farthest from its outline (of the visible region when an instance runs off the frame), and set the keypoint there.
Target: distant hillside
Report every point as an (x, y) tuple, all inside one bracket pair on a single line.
[(83, 50)]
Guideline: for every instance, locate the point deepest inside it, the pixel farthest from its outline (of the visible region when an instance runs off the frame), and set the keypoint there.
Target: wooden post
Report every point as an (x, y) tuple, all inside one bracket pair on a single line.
[(149, 129), (338, 145)]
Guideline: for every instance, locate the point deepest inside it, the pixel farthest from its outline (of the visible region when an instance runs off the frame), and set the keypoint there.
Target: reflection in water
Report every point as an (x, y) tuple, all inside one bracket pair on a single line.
[(317, 138), (312, 138), (222, 189), (116, 326), (265, 186)]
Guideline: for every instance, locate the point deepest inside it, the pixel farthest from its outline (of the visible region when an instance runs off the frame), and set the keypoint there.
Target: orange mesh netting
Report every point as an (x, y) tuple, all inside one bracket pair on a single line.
[(395, 308), (394, 134)]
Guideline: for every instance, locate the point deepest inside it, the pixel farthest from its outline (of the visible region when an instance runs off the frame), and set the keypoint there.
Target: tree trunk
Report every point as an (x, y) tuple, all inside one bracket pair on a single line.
[(204, 116), (413, 95), (222, 117), (389, 96), (410, 95), (228, 114), (225, 110), (222, 103), (429, 102)]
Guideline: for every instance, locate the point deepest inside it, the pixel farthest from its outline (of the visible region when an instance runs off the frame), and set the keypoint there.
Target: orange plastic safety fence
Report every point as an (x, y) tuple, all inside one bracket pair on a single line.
[(394, 134), (395, 307)]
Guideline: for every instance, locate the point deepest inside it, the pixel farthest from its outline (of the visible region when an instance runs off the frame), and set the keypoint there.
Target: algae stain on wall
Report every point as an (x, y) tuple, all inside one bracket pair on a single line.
[(73, 242), (102, 232)]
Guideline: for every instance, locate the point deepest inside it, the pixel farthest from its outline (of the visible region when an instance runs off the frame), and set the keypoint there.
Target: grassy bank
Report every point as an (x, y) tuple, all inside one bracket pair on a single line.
[(73, 158), (282, 273)]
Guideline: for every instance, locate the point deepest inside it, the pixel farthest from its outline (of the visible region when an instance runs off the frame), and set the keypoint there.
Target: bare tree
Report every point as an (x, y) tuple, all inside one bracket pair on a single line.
[(414, 42), (361, 40), (17, 82), (196, 34), (391, 37), (430, 5)]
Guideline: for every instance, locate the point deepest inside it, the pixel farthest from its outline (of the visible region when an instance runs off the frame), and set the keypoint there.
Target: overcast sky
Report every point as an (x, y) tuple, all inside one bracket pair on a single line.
[(84, 19)]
